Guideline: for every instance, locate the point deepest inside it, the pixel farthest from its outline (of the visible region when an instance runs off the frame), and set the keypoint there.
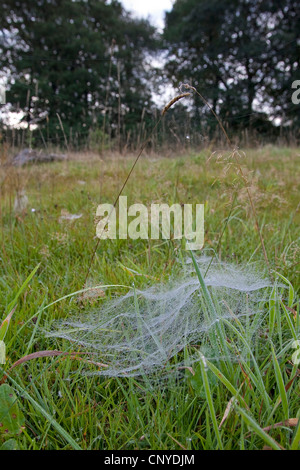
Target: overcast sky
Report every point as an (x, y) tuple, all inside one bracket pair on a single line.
[(153, 8)]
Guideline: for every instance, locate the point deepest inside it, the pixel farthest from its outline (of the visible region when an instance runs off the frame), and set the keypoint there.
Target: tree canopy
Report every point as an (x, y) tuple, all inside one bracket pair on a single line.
[(86, 64), (243, 55), (79, 59)]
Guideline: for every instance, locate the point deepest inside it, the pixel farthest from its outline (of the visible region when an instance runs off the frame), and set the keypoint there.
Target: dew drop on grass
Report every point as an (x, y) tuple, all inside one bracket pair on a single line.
[(147, 331)]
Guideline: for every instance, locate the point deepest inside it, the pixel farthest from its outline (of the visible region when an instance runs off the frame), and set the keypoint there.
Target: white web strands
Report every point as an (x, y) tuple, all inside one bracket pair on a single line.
[(144, 331)]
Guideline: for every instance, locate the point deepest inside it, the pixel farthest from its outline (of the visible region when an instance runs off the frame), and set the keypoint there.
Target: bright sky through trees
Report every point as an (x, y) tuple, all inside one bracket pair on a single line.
[(155, 9)]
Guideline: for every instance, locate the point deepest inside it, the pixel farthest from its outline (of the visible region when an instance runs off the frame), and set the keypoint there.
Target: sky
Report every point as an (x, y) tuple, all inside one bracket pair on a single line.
[(154, 9)]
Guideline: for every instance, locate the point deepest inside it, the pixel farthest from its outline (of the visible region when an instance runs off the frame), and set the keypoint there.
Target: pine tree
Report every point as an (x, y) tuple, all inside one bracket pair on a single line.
[(74, 59)]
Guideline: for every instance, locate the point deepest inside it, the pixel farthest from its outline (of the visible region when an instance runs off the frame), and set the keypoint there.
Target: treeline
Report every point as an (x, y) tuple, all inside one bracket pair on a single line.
[(82, 71)]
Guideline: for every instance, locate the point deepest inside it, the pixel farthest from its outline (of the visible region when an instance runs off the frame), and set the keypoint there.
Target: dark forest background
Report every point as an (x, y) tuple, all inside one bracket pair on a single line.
[(82, 72)]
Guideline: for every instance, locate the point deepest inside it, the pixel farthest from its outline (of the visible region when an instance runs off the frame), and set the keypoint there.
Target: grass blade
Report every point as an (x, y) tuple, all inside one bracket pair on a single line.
[(259, 431), (46, 415), (209, 399), (280, 384)]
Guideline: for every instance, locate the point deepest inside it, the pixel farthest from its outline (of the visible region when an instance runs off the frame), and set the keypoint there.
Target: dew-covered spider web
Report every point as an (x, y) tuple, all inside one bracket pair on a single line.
[(162, 327)]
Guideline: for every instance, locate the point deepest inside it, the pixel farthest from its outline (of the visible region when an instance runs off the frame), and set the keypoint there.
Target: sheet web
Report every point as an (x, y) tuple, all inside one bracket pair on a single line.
[(146, 331)]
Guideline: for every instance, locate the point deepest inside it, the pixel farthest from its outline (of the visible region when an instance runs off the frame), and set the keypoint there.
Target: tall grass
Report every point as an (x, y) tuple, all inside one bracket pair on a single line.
[(246, 404)]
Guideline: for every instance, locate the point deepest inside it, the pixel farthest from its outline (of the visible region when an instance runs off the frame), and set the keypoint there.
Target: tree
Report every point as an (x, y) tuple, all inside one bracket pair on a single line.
[(79, 59), (286, 60), (233, 52)]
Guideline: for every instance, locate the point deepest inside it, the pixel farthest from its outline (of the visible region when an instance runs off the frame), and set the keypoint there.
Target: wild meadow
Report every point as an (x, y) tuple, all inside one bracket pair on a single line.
[(51, 394)]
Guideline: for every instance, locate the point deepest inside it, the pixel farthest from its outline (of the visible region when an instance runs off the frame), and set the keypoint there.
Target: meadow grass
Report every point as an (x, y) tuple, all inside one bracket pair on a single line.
[(234, 407)]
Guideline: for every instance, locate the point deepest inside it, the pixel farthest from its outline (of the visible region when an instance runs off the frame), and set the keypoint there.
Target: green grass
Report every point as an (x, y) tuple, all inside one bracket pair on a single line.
[(65, 409)]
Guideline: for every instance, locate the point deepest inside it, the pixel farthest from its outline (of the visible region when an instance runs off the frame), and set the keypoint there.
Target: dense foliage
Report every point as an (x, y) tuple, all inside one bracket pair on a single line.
[(90, 63), (81, 60), (243, 55)]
